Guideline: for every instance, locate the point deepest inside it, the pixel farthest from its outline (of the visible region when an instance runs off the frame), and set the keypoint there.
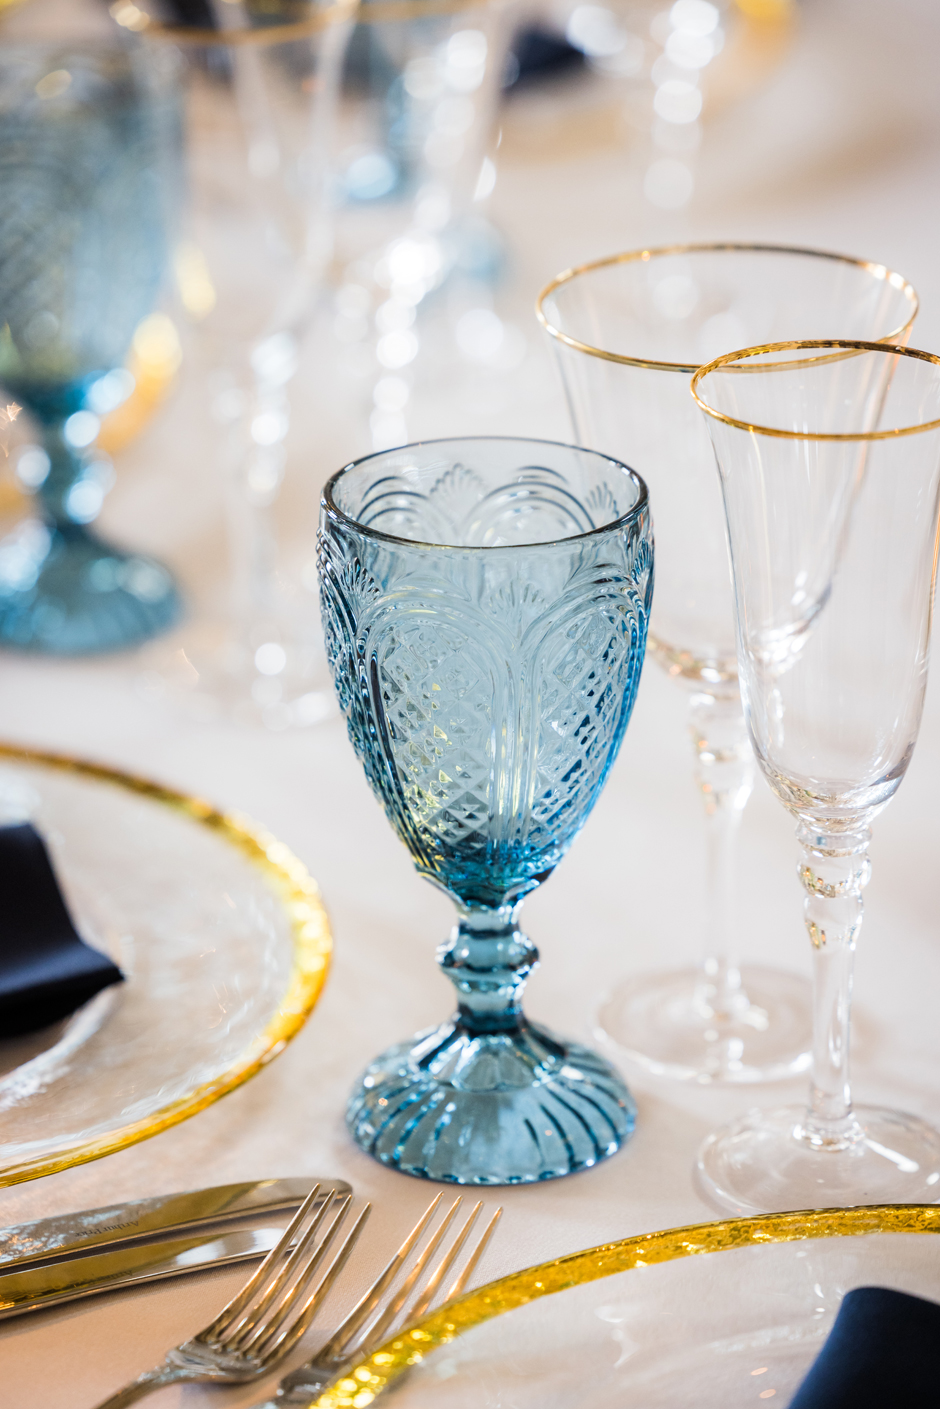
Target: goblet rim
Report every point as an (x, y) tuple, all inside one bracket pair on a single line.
[(847, 345), (333, 511), (645, 255)]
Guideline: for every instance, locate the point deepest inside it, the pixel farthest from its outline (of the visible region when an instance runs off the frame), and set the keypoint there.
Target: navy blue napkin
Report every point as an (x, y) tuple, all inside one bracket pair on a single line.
[(46, 968), (883, 1350)]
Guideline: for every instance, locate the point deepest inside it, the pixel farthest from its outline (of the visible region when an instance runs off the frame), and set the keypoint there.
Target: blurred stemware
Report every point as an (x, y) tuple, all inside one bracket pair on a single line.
[(88, 167), (628, 332), (829, 463), (485, 606), (422, 85), (261, 90)]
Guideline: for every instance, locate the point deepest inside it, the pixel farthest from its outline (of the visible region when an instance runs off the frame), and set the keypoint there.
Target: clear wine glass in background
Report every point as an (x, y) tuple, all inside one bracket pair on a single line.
[(485, 605), (628, 332), (829, 462), (260, 94), (412, 136), (89, 170)]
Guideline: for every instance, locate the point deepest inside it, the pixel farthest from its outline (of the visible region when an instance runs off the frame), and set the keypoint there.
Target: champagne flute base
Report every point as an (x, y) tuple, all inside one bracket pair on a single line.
[(663, 1022), (766, 1162), (510, 1107), (212, 671)]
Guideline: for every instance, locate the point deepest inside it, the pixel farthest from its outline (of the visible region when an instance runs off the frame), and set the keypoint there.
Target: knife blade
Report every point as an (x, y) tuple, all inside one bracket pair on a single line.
[(118, 1268), (143, 1221)]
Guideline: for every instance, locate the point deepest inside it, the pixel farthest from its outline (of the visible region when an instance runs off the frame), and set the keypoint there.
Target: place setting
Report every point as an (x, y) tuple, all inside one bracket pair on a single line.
[(734, 469)]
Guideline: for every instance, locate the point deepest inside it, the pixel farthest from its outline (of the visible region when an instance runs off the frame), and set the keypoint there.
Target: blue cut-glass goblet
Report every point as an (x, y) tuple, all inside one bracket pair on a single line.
[(87, 139), (485, 605)]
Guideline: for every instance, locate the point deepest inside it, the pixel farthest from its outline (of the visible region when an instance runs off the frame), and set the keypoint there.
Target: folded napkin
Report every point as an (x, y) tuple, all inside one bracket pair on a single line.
[(883, 1350), (46, 969)]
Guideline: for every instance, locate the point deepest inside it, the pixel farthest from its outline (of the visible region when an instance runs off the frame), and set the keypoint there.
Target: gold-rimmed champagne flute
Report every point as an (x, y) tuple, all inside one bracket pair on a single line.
[(828, 455), (629, 331)]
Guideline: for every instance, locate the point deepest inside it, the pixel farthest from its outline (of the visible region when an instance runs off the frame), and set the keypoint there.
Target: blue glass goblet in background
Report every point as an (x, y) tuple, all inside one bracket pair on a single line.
[(485, 605), (87, 138)]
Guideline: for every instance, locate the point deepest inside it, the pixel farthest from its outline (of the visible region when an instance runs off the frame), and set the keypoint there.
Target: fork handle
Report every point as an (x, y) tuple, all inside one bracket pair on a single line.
[(150, 1380)]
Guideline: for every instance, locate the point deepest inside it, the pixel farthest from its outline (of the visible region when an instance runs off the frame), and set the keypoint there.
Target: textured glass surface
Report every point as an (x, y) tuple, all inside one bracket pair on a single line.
[(487, 658), (86, 143), (204, 941), (725, 1330)]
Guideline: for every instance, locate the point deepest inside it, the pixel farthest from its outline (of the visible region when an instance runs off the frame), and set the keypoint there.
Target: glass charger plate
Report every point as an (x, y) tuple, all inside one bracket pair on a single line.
[(218, 928), (722, 1314)]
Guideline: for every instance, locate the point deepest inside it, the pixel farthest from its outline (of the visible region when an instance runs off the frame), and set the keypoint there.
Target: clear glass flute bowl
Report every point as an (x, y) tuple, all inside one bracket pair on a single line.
[(829, 461), (485, 605), (628, 333)]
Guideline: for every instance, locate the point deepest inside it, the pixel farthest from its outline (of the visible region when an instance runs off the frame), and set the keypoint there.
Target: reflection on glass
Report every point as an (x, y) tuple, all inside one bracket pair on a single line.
[(628, 332)]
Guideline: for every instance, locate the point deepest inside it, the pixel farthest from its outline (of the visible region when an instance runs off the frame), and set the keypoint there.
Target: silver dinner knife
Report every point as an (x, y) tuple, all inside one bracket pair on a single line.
[(69, 1279), (146, 1220)]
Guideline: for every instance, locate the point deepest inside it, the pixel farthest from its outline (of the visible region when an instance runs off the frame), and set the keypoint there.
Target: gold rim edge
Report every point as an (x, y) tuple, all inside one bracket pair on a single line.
[(367, 1379), (849, 346), (655, 251), (312, 951), (377, 12)]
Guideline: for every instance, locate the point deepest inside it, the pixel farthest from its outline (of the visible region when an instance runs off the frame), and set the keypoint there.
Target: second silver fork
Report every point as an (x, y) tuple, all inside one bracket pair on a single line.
[(381, 1309)]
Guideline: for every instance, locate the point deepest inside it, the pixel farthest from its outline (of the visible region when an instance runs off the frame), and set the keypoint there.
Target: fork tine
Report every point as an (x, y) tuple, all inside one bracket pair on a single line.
[(278, 1298), (364, 1308), (241, 1300), (377, 1331), (284, 1343), (446, 1263), (458, 1286)]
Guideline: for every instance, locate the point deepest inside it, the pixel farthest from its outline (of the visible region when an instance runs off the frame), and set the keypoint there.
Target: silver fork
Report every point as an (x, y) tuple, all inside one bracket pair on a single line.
[(372, 1320), (269, 1315)]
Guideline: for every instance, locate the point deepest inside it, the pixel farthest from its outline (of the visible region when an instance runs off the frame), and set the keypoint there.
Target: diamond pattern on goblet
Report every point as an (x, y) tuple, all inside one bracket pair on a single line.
[(437, 698), (582, 696)]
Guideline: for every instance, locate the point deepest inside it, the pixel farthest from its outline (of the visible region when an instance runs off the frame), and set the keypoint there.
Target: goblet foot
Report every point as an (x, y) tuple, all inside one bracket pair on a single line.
[(664, 1022), (766, 1162), (65, 592), (510, 1107)]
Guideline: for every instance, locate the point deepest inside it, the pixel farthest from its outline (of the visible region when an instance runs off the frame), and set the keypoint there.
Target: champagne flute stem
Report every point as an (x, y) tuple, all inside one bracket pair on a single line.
[(833, 869), (724, 771)]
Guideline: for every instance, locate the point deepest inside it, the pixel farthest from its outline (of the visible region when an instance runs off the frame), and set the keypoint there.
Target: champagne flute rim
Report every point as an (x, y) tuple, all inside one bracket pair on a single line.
[(850, 346), (645, 255), (338, 515)]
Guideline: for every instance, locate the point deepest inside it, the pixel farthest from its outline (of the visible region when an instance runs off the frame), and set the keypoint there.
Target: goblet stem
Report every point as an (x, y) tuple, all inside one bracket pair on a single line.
[(66, 466), (488, 960), (833, 869), (724, 771)]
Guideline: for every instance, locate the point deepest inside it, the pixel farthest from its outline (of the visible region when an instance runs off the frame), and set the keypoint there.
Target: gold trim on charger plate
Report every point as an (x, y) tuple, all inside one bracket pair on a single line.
[(312, 940), (364, 1381)]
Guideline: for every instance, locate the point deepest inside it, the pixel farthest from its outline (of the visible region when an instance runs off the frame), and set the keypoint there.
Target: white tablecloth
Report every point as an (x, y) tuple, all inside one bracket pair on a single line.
[(840, 151)]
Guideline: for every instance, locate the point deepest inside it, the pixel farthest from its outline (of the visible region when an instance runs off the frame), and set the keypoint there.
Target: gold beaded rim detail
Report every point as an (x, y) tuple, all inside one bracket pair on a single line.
[(364, 1381), (312, 949), (849, 346), (879, 271)]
